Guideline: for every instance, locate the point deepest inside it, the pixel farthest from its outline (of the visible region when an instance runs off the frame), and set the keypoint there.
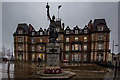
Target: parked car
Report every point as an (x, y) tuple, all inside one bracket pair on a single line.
[(5, 58), (65, 61)]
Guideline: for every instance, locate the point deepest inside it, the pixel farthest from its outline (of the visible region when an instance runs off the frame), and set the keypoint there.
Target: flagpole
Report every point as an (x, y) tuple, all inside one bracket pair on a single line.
[(58, 13)]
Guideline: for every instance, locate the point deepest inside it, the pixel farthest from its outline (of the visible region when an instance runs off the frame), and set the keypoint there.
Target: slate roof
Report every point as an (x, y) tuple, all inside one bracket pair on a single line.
[(97, 22), (23, 26)]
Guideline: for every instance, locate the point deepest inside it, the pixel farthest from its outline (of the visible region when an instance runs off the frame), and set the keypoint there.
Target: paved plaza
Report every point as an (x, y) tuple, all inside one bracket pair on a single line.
[(27, 70)]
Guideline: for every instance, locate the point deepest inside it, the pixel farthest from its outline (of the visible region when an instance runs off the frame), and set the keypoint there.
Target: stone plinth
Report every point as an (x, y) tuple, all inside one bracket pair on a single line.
[(53, 59)]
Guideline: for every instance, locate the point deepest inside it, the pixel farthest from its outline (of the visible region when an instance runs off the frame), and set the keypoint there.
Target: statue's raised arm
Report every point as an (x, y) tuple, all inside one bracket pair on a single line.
[(48, 14)]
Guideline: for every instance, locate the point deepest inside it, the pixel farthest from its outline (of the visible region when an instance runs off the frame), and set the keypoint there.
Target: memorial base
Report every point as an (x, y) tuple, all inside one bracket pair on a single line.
[(52, 70), (64, 75)]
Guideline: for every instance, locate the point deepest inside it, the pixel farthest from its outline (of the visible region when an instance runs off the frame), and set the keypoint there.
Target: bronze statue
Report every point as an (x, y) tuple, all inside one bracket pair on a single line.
[(53, 35)]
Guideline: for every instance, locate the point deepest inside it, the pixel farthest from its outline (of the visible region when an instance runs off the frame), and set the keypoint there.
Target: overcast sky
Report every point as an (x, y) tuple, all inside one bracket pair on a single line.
[(72, 14)]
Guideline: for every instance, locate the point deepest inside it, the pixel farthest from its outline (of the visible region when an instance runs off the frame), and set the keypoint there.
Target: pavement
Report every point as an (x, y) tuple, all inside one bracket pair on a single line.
[(26, 70)]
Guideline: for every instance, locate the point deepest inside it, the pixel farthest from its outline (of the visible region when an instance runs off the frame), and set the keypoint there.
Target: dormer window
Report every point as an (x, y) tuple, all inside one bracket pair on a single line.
[(100, 28), (41, 33), (20, 31), (85, 31), (71, 31), (33, 33), (67, 31), (76, 31)]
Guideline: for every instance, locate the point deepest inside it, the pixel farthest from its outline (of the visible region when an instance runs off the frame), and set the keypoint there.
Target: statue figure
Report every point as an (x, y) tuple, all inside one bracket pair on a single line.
[(53, 35)]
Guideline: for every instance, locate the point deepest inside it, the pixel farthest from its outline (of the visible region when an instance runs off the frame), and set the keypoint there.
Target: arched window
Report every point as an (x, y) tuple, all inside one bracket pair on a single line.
[(20, 31)]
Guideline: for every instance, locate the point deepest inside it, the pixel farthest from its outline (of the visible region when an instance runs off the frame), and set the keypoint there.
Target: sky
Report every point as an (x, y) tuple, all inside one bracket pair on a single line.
[(72, 14)]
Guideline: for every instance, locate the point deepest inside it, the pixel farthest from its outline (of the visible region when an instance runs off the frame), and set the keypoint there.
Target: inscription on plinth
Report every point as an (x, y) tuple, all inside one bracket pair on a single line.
[(53, 59)]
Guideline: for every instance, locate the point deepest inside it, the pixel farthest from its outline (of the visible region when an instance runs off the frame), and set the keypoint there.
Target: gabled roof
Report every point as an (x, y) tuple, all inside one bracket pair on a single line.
[(40, 29), (76, 28), (67, 28)]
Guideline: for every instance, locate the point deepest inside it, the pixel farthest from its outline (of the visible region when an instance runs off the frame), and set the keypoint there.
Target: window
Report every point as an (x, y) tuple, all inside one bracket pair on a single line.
[(85, 31), (19, 39), (58, 29), (67, 48), (100, 28), (85, 47), (100, 37), (33, 33), (40, 48), (33, 40), (72, 57), (20, 47), (72, 47), (79, 57), (20, 31), (76, 38), (85, 57), (76, 56), (41, 40), (67, 31), (99, 57), (33, 48), (85, 39), (41, 33), (67, 39), (76, 46), (100, 46), (33, 57), (79, 47), (76, 31), (67, 57)]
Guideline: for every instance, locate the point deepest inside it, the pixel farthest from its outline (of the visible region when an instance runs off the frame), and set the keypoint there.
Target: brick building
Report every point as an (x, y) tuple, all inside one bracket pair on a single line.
[(88, 44)]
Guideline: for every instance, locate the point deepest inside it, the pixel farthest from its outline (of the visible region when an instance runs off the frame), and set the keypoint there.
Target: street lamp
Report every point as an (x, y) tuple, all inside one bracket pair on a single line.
[(115, 60)]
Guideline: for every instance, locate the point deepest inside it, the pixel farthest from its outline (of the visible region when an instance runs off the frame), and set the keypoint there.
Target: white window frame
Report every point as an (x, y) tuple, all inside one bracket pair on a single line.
[(67, 31), (67, 39), (33, 33), (67, 47), (76, 38), (20, 39), (100, 46), (85, 47), (41, 33), (33, 48), (20, 31), (76, 31), (67, 56), (85, 57), (33, 40)]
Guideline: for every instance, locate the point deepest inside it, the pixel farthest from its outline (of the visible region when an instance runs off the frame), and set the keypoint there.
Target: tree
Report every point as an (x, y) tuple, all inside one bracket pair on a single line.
[(3, 52)]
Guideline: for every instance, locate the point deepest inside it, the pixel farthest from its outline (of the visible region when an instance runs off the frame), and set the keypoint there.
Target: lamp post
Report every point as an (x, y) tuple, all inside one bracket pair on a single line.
[(115, 62)]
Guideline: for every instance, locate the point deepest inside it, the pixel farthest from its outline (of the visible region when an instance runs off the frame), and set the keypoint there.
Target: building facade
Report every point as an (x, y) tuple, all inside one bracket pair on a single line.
[(88, 44)]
